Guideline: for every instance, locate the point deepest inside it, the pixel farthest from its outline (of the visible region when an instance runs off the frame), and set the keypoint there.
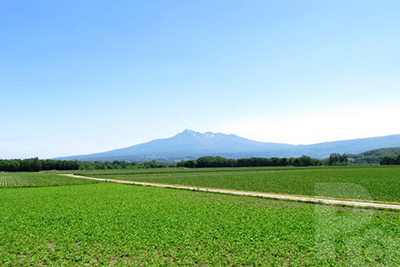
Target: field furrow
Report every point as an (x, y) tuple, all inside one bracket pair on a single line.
[(20, 179)]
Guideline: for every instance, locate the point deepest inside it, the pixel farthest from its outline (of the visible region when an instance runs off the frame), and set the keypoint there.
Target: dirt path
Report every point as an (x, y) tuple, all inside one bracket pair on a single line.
[(256, 194)]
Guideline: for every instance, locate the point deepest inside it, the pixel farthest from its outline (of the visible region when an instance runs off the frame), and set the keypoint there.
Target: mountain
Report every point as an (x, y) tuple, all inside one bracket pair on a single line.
[(188, 145), (191, 145)]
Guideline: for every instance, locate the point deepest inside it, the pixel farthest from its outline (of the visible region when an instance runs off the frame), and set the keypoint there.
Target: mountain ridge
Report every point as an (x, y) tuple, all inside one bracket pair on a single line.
[(190, 144)]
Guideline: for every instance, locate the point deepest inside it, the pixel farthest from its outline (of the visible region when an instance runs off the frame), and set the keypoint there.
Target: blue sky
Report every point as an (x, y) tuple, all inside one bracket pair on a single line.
[(80, 77)]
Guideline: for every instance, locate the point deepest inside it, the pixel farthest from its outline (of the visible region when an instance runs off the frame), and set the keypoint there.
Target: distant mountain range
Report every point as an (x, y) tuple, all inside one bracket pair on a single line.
[(191, 145)]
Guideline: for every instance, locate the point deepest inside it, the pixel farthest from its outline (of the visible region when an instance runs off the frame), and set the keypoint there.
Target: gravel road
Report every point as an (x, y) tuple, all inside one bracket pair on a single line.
[(327, 201)]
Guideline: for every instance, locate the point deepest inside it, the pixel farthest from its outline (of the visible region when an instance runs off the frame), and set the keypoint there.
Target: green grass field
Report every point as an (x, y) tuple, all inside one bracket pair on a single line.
[(37, 179), (124, 225), (78, 223), (376, 183)]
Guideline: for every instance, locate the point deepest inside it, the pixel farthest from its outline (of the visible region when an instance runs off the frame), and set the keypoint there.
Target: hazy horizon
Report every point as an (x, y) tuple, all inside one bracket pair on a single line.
[(86, 77)]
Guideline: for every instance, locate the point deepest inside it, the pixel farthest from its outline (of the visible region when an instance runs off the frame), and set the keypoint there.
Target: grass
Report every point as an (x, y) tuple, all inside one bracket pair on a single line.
[(376, 183), (37, 179), (123, 225)]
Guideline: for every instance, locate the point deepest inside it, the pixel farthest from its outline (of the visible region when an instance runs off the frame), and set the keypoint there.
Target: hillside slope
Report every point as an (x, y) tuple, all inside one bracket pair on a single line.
[(374, 156)]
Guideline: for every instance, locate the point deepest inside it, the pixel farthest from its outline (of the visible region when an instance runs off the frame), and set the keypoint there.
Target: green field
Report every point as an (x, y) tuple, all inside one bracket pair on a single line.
[(124, 225), (37, 179), (376, 183), (78, 223)]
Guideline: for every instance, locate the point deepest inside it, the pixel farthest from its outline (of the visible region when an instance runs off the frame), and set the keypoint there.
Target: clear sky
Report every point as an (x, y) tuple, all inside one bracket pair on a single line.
[(79, 77)]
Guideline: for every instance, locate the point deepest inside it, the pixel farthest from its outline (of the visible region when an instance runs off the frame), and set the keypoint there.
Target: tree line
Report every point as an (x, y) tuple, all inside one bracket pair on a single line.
[(390, 160), (35, 164), (116, 164), (303, 161)]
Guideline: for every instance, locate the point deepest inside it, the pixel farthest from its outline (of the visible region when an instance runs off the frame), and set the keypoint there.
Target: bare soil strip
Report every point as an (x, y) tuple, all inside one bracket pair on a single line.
[(317, 200)]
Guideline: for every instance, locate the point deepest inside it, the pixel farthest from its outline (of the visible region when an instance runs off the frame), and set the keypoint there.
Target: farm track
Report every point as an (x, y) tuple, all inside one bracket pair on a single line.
[(316, 200)]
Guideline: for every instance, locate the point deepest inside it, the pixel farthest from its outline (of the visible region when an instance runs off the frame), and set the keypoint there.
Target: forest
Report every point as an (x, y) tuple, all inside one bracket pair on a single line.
[(303, 161), (390, 160), (36, 164)]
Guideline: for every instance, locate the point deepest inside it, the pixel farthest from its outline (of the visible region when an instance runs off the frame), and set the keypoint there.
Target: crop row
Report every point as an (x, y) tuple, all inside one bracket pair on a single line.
[(28, 179), (12, 181)]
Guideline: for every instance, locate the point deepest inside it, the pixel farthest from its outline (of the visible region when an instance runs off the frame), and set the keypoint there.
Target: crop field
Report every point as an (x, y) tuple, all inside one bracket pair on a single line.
[(372, 183), (35, 179), (124, 225)]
